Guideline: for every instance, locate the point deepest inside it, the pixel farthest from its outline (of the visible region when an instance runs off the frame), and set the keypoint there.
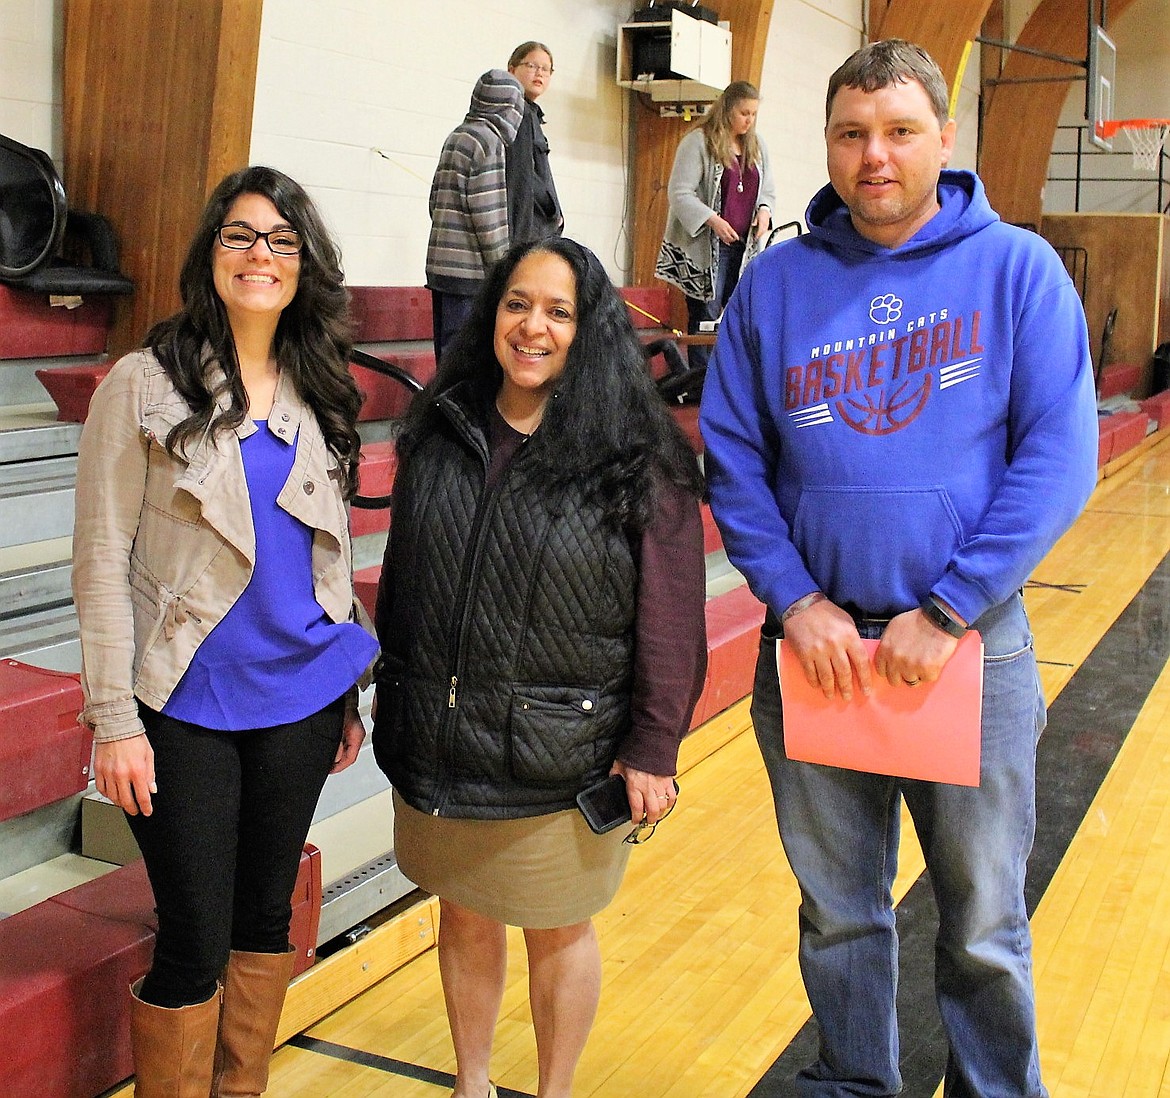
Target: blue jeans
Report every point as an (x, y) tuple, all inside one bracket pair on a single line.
[(840, 831), (726, 279)]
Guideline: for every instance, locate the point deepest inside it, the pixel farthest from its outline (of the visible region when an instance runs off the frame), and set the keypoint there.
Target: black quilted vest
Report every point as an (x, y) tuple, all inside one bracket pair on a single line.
[(507, 635)]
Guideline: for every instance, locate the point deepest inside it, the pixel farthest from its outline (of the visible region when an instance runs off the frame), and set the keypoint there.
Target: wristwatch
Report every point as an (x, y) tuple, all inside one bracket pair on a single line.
[(940, 619)]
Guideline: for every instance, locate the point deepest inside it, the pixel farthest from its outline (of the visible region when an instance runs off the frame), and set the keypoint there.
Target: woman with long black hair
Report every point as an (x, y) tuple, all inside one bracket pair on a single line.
[(541, 618)]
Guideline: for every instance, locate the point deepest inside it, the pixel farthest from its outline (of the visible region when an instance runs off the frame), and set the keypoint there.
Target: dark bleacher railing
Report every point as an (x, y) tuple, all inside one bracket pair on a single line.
[(404, 378)]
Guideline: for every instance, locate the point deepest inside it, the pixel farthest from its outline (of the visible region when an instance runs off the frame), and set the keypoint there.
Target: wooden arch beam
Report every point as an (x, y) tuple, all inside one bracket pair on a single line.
[(656, 139), (157, 109), (941, 27), (1020, 123)]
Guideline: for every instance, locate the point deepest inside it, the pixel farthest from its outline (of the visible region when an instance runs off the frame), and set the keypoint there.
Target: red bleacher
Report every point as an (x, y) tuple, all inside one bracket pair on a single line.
[(64, 1018), (712, 539), (1157, 408), (390, 312), (72, 388), (1118, 378), (398, 320), (375, 478), (1119, 433), (687, 417), (733, 635), (649, 306), (44, 752), (64, 1024), (32, 328)]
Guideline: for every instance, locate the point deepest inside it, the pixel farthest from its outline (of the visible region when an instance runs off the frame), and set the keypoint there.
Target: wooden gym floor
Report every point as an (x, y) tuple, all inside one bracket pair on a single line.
[(702, 996)]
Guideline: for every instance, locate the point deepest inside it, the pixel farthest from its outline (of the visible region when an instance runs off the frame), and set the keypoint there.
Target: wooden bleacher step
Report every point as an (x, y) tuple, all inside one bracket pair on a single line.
[(37, 622), (40, 586), (41, 441), (36, 499)]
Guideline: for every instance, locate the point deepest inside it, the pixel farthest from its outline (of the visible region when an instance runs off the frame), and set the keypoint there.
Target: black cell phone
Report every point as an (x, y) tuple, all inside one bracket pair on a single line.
[(605, 804)]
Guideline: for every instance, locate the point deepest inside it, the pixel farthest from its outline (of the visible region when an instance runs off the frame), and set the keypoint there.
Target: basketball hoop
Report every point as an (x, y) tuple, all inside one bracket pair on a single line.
[(1146, 136)]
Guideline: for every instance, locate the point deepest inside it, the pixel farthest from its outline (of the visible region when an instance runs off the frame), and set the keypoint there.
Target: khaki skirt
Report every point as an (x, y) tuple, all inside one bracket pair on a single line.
[(540, 872)]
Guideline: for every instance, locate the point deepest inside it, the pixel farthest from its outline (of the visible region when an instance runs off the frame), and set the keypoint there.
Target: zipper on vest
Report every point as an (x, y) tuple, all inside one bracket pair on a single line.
[(467, 582)]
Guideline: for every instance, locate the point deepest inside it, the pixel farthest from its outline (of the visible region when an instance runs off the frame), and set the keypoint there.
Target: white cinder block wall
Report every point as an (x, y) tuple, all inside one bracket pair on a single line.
[(338, 78), (30, 73)]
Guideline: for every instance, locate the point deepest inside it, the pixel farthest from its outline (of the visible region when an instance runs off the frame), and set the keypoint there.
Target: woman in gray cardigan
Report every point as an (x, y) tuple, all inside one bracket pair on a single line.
[(721, 195)]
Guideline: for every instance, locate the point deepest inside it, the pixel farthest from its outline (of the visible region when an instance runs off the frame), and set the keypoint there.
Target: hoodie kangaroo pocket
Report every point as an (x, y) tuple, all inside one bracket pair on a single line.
[(879, 548)]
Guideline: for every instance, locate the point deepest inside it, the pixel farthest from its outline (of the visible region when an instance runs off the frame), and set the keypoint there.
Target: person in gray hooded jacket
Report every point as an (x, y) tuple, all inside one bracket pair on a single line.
[(469, 201)]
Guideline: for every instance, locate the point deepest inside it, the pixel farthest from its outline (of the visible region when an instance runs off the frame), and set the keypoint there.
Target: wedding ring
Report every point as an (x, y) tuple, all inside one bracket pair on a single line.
[(663, 797), (911, 682)]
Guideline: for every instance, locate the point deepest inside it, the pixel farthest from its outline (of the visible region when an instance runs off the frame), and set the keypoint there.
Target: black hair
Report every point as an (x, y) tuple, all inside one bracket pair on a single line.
[(313, 335), (605, 425)]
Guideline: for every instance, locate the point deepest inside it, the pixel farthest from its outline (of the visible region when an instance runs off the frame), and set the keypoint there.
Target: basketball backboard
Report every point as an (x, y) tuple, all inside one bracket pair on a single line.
[(1100, 86)]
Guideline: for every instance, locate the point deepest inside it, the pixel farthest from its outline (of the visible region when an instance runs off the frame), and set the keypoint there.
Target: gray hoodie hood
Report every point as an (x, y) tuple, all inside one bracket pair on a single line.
[(498, 101)]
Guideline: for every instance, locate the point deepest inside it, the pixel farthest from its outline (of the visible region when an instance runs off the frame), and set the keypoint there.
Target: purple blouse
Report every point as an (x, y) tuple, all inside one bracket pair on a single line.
[(739, 203), (274, 657)]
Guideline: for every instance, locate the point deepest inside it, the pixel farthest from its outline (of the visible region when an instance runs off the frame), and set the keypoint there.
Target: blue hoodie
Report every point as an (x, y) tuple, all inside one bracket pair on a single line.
[(881, 424)]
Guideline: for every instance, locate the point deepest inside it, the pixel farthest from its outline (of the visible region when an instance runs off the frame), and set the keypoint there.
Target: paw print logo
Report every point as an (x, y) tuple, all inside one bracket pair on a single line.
[(885, 308)]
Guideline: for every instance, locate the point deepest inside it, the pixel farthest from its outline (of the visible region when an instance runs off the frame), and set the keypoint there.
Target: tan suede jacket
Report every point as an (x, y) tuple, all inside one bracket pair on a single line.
[(163, 546)]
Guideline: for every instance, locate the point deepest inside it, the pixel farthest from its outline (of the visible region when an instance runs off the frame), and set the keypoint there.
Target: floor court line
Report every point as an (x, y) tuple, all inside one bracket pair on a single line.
[(1077, 749)]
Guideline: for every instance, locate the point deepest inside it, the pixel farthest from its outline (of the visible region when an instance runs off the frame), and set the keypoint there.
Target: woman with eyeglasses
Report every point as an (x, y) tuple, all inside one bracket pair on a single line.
[(213, 584), (534, 211), (542, 625), (721, 194)]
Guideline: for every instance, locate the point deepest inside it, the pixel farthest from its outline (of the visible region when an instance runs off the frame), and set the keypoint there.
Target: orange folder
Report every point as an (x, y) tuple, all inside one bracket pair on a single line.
[(929, 731)]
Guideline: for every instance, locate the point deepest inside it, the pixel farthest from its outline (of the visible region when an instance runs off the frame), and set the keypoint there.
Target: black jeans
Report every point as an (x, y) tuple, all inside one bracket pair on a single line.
[(223, 844)]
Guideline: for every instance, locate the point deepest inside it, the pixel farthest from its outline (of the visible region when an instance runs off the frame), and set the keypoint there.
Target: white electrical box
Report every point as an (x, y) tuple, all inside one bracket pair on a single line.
[(685, 60)]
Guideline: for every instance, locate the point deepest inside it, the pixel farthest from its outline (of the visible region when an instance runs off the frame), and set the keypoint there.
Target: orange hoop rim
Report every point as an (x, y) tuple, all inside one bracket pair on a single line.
[(1109, 127)]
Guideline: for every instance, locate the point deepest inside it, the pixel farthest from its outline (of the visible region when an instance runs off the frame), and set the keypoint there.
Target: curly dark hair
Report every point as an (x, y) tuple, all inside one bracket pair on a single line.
[(313, 335), (605, 425)]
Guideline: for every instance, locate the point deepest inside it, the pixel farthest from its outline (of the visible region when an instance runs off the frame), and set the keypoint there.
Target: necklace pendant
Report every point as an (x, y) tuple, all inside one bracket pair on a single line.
[(739, 186)]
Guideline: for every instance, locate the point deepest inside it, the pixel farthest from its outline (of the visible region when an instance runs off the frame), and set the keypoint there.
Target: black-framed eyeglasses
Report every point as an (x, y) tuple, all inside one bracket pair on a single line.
[(643, 830), (241, 237)]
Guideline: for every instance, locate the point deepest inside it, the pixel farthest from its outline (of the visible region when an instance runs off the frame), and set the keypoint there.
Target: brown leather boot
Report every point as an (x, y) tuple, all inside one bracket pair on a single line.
[(174, 1049), (254, 986)]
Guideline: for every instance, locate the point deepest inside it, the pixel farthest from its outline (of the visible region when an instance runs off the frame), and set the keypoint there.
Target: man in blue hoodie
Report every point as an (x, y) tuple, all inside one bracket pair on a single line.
[(899, 423)]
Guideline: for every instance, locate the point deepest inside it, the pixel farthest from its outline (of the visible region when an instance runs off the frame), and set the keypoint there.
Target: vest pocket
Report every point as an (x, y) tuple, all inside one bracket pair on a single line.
[(553, 732)]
